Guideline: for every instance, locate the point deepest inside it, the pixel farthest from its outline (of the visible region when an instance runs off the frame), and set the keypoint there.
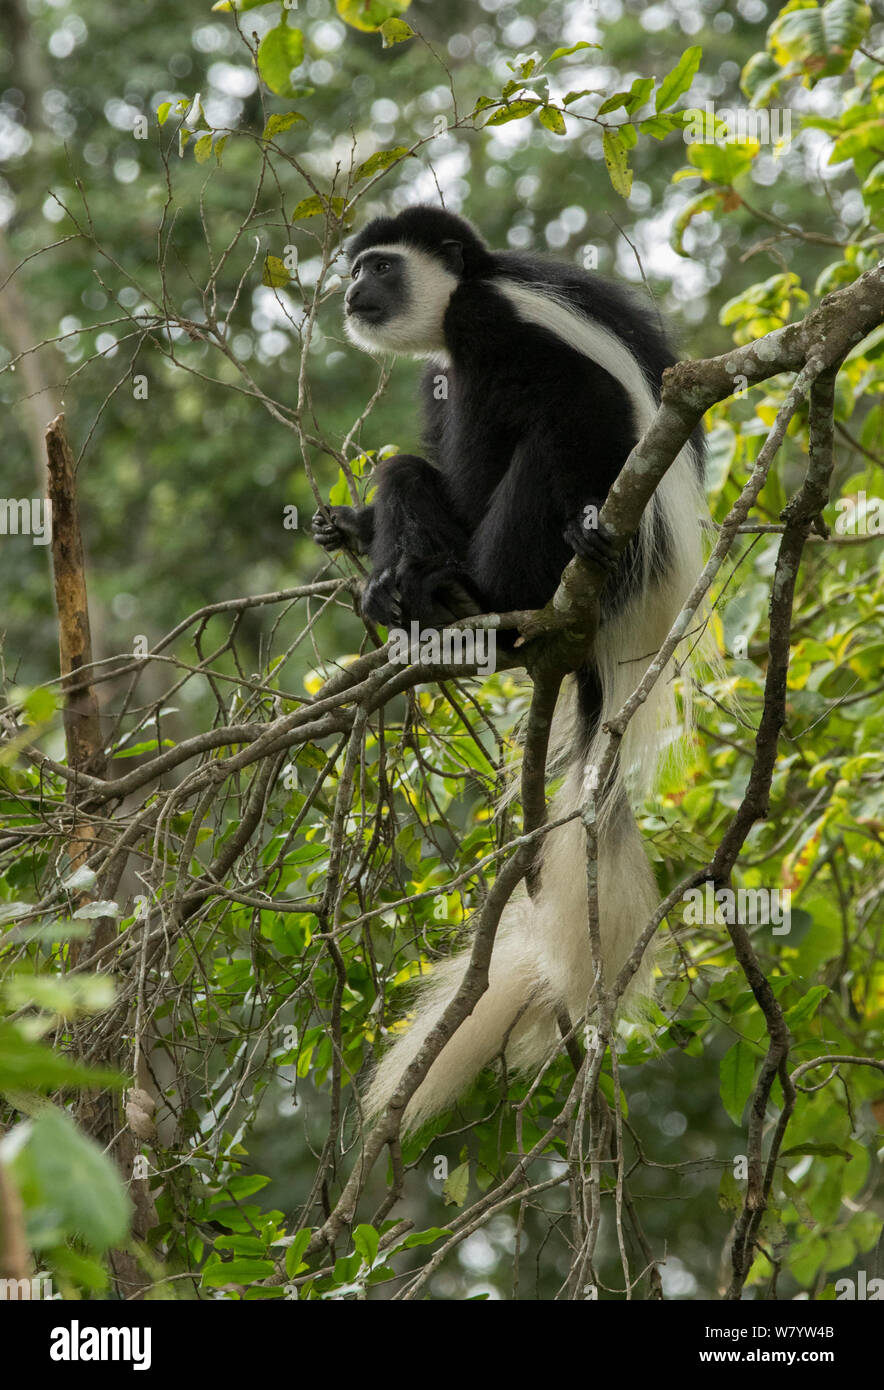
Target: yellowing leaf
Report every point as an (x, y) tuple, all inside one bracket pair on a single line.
[(457, 1185), (552, 119), (369, 15), (514, 111), (395, 31), (282, 120), (313, 207), (239, 5), (274, 274), (617, 162), (382, 159)]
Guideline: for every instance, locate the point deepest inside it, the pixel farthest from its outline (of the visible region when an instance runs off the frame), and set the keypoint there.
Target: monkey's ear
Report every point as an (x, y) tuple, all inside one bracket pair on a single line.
[(452, 255)]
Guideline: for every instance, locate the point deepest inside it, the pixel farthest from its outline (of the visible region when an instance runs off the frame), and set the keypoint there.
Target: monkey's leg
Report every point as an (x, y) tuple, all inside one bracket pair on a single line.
[(419, 548)]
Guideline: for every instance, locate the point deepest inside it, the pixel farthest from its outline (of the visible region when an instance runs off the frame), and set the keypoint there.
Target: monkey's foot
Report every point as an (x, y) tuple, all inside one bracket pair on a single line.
[(432, 591)]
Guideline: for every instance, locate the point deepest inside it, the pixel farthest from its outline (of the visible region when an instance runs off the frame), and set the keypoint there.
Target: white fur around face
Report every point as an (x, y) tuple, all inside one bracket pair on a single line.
[(417, 331)]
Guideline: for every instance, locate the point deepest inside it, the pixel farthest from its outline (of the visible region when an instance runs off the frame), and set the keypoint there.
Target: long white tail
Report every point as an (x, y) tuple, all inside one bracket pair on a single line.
[(541, 958)]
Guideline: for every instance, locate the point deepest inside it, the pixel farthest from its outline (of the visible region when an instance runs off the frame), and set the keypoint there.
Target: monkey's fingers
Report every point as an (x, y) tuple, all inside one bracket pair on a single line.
[(595, 544), (328, 533)]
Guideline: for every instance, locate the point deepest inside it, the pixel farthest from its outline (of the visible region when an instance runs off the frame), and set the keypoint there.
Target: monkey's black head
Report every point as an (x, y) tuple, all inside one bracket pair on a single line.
[(404, 271)]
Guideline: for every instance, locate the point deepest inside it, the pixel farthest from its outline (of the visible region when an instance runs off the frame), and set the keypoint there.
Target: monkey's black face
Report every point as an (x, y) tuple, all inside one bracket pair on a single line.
[(379, 289), (397, 300)]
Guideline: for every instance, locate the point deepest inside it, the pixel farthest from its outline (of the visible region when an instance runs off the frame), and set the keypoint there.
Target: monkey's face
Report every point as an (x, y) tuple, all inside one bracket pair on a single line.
[(397, 301)]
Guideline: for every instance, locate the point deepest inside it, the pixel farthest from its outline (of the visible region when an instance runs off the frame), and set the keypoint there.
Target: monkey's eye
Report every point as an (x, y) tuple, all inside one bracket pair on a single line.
[(382, 267), (354, 273)]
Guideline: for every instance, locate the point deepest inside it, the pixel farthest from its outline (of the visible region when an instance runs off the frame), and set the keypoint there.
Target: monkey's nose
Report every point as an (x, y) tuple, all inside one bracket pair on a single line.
[(355, 302)]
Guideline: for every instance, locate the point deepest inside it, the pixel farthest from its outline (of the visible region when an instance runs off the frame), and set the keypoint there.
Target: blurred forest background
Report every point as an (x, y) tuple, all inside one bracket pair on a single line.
[(186, 500)]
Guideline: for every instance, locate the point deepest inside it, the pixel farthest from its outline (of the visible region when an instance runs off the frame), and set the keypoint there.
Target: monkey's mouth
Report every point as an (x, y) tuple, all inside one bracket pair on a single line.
[(371, 313)]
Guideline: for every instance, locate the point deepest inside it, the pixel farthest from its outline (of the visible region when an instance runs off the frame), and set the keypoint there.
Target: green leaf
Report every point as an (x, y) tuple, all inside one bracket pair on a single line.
[(163, 111), (575, 48), (282, 120), (807, 1005), (347, 1267), (730, 1198), (514, 111), (395, 31), (737, 1077), (723, 163), (241, 1244), (428, 1237), (677, 82), (236, 1272), (365, 1240), (661, 126), (27, 1065), (274, 274), (857, 141), (457, 1185), (818, 1151), (585, 92), (202, 150), (369, 15), (245, 1184), (382, 159), (552, 119), (77, 1179), (279, 52), (613, 102), (638, 93), (294, 1255), (703, 202), (316, 206), (65, 995), (617, 162), (150, 745)]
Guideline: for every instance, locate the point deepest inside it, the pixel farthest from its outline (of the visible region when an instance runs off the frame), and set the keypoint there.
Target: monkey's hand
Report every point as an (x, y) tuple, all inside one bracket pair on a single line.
[(588, 538), (344, 528)]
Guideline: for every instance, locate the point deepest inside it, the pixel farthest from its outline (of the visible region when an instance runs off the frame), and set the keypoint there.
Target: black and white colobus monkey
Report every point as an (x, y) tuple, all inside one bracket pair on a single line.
[(550, 376)]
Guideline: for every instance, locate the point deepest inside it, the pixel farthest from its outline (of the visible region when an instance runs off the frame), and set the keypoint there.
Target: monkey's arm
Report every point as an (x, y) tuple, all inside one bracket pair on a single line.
[(419, 548), (345, 528)]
